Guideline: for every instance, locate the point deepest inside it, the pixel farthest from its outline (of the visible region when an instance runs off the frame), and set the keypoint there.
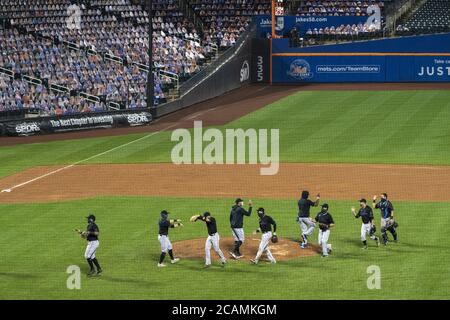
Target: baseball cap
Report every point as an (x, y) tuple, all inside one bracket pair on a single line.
[(363, 200), (238, 200)]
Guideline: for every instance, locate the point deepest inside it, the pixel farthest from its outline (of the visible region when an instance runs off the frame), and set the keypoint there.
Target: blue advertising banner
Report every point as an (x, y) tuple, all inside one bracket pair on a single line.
[(284, 24), (361, 69), (426, 43)]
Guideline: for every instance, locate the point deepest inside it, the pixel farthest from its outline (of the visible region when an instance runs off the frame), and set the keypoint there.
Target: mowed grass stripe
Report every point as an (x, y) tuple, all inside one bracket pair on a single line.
[(315, 126)]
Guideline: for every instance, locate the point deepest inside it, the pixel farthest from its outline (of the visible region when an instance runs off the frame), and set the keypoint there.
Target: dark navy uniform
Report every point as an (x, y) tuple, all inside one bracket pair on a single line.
[(212, 240), (367, 227), (163, 238), (325, 220), (164, 226), (237, 226), (306, 224), (266, 223), (211, 225), (91, 233), (366, 214), (237, 216), (387, 222), (265, 226)]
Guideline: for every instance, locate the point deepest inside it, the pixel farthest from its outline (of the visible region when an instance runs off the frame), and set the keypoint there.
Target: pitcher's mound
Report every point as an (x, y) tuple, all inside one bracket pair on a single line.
[(285, 249)]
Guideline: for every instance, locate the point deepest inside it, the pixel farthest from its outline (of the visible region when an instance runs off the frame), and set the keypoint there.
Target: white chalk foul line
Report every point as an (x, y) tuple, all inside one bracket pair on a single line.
[(84, 160)]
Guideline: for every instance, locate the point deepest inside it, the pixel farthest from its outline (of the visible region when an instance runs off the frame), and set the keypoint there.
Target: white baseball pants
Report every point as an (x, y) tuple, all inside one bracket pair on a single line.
[(165, 243), (323, 241), (90, 249), (213, 241), (365, 230), (307, 226), (238, 234), (264, 247)]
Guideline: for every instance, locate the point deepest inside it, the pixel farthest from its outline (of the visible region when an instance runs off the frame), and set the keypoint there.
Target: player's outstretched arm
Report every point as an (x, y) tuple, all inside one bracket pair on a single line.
[(374, 202), (316, 203)]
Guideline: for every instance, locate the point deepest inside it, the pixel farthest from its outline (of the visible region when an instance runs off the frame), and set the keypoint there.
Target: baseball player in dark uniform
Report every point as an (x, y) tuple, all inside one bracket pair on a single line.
[(387, 217), (325, 221), (213, 238), (237, 225), (368, 227), (307, 225), (91, 234), (163, 237), (265, 227)]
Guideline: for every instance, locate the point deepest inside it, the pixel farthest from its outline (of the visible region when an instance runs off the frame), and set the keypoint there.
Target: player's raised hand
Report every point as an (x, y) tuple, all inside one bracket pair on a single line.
[(250, 203), (353, 209), (375, 198), (318, 196)]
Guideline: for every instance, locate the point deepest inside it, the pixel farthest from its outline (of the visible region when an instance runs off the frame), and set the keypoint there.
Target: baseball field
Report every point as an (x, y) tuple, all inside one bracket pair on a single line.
[(343, 142)]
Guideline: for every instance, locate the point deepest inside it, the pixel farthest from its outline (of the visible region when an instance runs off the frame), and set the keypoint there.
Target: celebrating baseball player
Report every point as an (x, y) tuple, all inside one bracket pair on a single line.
[(307, 225), (387, 217), (368, 227), (237, 225), (213, 238), (265, 226), (325, 221), (163, 237), (91, 235)]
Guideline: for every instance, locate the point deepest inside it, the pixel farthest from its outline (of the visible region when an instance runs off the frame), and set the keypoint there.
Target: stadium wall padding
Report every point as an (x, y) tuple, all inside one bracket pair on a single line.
[(48, 125), (409, 59)]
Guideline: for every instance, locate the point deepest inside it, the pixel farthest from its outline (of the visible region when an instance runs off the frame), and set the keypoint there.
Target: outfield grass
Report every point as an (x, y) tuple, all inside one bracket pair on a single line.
[(315, 126), (38, 244)]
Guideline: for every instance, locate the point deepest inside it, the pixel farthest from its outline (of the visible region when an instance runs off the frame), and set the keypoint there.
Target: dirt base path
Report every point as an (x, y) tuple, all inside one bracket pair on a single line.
[(285, 249), (334, 181)]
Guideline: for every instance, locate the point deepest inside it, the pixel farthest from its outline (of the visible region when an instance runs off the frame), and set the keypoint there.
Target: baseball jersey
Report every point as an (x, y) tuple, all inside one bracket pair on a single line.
[(304, 206), (266, 223), (366, 214), (211, 225), (91, 228), (164, 226), (386, 208), (324, 218), (237, 216)]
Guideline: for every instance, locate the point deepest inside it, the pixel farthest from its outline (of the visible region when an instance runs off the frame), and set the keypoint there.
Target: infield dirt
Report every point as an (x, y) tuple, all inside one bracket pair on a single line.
[(285, 249), (334, 181)]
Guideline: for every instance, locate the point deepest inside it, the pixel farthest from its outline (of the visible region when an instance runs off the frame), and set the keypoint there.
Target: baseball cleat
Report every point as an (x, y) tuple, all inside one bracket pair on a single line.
[(364, 248), (206, 266), (254, 261), (303, 245), (324, 256), (91, 273), (239, 256), (222, 264), (161, 265), (99, 272), (233, 255), (174, 260)]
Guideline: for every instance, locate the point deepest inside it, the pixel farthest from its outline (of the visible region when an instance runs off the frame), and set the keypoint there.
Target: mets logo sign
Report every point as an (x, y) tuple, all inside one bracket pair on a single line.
[(300, 69)]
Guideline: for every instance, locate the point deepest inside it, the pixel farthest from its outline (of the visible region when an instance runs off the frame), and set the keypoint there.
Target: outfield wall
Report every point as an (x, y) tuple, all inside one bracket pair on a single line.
[(408, 59)]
